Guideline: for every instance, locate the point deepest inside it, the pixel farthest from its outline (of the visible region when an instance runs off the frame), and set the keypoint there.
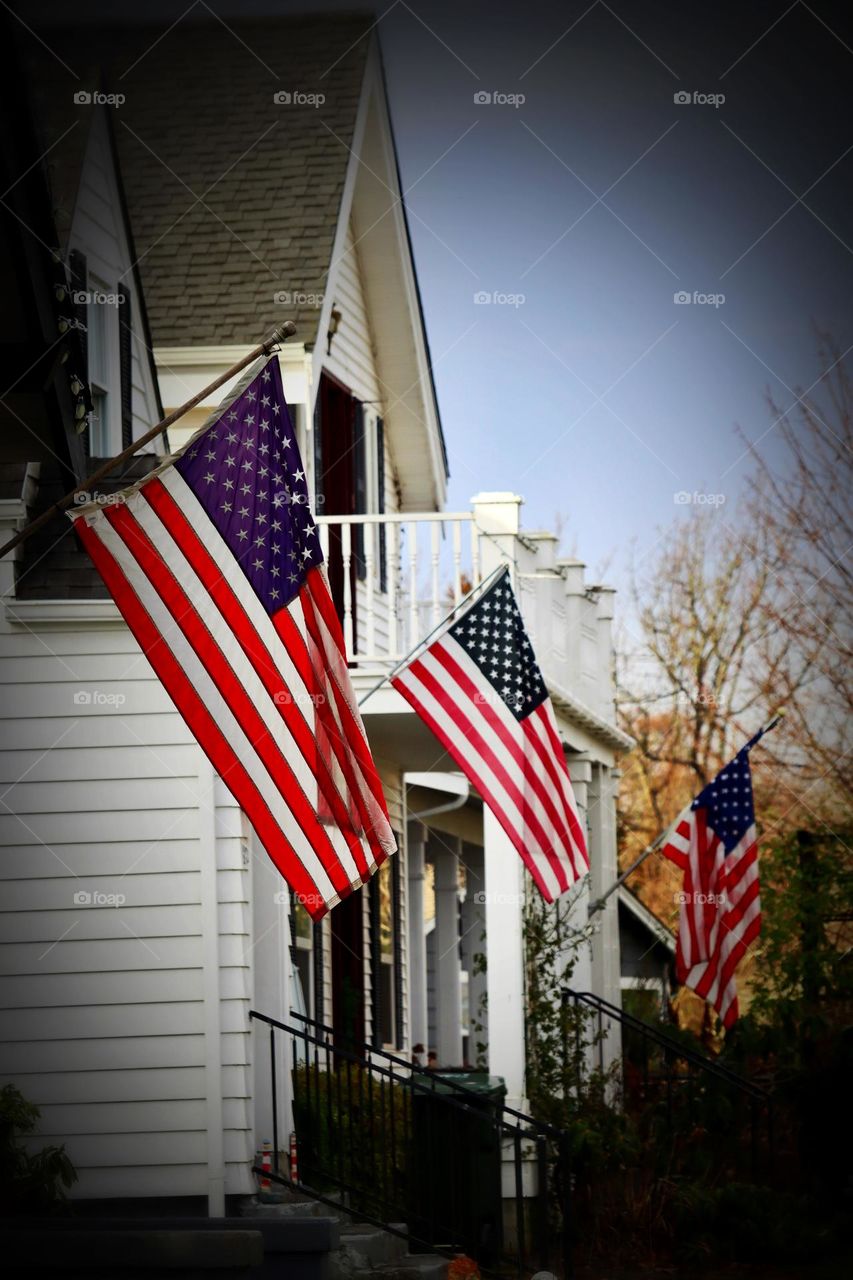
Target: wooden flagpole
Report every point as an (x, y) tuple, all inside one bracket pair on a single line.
[(265, 348), (662, 838)]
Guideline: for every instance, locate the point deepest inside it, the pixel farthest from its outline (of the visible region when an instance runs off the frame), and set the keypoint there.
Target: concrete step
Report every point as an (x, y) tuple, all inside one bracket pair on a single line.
[(411, 1266), (91, 1252), (376, 1245), (286, 1209)]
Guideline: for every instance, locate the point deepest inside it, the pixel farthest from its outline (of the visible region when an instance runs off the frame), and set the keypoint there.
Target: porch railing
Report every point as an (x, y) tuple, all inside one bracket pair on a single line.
[(662, 1078), (439, 1162), (400, 574)]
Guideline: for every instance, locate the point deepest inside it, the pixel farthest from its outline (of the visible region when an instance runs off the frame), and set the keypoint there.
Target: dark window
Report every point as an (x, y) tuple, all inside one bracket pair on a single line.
[(378, 1037), (397, 945), (78, 271), (125, 355), (359, 450), (319, 985)]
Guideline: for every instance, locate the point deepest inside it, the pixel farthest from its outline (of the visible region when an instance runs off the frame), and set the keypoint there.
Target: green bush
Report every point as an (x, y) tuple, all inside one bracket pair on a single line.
[(32, 1182), (354, 1134)]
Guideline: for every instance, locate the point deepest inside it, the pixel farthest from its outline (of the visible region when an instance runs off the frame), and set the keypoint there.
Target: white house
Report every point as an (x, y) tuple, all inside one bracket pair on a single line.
[(141, 919)]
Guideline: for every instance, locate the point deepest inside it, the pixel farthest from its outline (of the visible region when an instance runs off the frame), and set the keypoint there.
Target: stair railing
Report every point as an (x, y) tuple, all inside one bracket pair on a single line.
[(680, 1069), (418, 1153)]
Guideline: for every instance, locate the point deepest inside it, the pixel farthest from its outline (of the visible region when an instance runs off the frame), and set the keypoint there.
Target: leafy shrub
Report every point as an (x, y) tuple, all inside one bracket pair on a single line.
[(32, 1182)]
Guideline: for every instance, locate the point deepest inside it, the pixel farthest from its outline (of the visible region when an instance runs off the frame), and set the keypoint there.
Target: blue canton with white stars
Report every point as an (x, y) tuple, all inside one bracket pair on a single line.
[(246, 472), (492, 634), (728, 801)]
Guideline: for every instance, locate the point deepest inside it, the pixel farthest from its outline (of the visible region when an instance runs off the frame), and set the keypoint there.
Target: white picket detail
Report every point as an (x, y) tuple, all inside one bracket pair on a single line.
[(429, 558)]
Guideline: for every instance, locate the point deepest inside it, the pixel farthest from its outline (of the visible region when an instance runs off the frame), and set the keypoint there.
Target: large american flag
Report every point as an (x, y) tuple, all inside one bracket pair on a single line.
[(479, 689), (215, 563), (714, 843)]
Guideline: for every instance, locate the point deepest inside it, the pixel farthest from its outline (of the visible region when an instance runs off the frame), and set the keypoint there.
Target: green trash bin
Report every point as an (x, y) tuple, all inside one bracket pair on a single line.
[(456, 1155)]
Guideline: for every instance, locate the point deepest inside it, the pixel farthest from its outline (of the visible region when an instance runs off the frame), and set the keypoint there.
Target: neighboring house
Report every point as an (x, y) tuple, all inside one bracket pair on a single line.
[(647, 948), (143, 919)]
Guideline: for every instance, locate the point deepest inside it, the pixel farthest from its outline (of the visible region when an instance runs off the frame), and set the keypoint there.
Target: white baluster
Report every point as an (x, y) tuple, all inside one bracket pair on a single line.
[(435, 538), (414, 629), (392, 542), (346, 558), (370, 533), (475, 552), (324, 540), (457, 561)]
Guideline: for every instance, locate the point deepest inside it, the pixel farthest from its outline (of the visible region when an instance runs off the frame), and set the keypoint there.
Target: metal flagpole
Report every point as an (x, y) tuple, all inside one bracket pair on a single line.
[(663, 837), (480, 587), (278, 335)]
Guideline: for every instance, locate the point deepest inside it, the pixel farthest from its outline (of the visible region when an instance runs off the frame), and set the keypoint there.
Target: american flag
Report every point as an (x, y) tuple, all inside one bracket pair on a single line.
[(215, 563), (714, 843), (479, 689)]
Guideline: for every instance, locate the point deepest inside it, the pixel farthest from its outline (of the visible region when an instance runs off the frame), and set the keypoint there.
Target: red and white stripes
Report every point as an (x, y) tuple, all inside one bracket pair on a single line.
[(268, 697), (517, 765)]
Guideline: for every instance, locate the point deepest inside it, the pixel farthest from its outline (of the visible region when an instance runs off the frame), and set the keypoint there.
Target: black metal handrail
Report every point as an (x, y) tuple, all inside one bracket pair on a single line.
[(699, 1067), (442, 1075), (391, 1144), (669, 1044)]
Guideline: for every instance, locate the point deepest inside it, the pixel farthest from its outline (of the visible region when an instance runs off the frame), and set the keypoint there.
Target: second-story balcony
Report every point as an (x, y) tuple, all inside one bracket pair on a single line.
[(397, 575)]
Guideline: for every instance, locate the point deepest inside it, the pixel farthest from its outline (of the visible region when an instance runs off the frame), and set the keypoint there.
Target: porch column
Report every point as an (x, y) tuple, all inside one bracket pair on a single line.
[(445, 851), (497, 516), (473, 944), (603, 870), (505, 962), (418, 1021)]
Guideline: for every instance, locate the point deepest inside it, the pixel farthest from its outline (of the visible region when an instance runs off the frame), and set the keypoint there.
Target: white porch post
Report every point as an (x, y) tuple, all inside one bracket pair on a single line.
[(499, 516), (505, 957), (604, 869), (445, 852), (473, 944), (418, 1020)]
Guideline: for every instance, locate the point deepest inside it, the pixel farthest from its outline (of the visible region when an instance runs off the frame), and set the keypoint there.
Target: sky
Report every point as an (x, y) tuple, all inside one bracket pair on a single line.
[(628, 154)]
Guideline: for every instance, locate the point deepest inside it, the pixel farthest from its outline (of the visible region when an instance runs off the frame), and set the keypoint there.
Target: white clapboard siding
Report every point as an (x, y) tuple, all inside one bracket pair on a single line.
[(107, 838), (107, 1054), (352, 359), (27, 862)]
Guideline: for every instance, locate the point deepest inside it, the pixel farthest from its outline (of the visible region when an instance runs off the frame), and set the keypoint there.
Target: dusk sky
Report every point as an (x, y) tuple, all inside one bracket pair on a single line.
[(590, 205)]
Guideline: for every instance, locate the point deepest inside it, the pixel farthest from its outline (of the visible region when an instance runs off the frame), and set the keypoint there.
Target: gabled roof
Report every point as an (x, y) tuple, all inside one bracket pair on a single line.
[(641, 913), (233, 197)]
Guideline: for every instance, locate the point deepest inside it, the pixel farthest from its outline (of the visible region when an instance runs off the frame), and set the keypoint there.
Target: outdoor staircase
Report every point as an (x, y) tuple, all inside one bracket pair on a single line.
[(364, 1251)]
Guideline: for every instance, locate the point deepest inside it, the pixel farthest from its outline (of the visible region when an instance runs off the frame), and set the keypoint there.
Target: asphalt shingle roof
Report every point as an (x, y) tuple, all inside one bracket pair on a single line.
[(233, 197)]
